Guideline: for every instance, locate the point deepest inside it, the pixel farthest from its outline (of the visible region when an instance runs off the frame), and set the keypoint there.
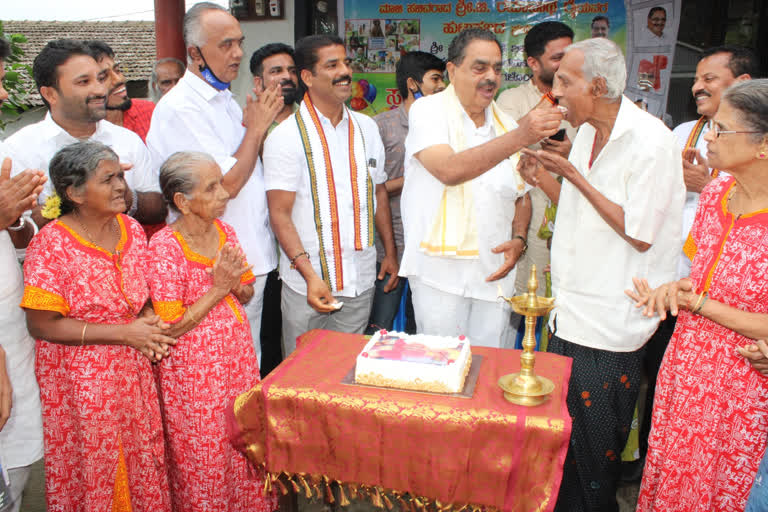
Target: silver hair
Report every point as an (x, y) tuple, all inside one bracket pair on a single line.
[(179, 174), (73, 165), (154, 93), (750, 98), (193, 23), (603, 58)]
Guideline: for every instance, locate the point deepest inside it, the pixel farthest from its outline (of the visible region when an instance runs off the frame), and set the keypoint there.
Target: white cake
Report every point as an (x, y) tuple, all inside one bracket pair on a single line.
[(418, 362)]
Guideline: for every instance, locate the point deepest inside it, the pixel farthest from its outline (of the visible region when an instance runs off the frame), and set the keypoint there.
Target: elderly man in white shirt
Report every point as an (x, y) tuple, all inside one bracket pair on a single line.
[(465, 208), (200, 114), (73, 87), (324, 168), (619, 216)]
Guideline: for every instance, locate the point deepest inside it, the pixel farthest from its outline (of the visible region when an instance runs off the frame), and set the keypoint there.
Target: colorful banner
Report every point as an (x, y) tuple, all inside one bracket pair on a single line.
[(378, 33)]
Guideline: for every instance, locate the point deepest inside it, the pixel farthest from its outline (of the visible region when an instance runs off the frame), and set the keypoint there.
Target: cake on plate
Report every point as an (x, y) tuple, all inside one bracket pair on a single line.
[(417, 362)]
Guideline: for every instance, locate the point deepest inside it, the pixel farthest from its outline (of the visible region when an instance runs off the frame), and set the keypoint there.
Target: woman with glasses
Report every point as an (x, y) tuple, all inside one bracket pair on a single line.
[(710, 416)]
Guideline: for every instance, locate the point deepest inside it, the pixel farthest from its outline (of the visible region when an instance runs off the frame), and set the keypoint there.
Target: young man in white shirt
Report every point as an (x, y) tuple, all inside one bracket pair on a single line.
[(21, 423), (323, 167), (619, 216), (200, 114), (457, 162), (73, 87)]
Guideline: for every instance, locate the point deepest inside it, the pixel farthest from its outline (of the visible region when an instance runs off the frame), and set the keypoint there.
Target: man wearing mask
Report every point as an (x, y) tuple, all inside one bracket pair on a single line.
[(200, 114)]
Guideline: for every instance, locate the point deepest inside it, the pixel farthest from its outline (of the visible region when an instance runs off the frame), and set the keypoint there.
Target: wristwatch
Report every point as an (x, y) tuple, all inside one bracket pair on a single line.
[(525, 243), (22, 223)]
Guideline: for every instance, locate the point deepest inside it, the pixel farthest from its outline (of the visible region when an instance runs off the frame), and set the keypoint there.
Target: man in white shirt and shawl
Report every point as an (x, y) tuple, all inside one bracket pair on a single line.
[(324, 174), (465, 208)]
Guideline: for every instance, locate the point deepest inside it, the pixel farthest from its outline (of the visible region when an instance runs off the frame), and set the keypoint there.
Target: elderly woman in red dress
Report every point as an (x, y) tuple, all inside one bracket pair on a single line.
[(710, 417), (199, 281), (86, 301)]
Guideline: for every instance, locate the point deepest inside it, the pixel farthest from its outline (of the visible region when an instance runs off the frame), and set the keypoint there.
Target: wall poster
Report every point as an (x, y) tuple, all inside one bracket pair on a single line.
[(378, 32)]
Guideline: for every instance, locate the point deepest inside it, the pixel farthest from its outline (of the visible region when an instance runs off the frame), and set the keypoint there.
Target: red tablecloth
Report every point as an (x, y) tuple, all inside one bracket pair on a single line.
[(483, 452)]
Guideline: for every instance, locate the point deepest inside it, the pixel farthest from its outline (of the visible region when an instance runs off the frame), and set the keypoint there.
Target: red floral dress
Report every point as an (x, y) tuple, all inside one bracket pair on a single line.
[(710, 415), (101, 416), (210, 366)]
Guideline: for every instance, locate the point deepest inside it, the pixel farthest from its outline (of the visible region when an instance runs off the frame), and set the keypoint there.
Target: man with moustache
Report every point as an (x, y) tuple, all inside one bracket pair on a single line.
[(619, 216), (21, 424), (544, 47), (73, 87), (134, 114), (465, 208), (200, 114), (273, 64), (165, 75), (600, 26), (324, 171), (653, 33), (417, 74)]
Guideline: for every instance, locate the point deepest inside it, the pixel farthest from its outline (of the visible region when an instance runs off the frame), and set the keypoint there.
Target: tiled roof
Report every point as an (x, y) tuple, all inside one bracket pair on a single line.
[(132, 41)]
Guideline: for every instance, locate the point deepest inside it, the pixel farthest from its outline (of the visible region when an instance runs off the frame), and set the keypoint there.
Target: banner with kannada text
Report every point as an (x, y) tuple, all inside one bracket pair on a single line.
[(378, 32)]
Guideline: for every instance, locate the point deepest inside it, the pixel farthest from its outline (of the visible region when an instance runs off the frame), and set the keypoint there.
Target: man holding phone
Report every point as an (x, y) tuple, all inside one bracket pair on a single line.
[(544, 47)]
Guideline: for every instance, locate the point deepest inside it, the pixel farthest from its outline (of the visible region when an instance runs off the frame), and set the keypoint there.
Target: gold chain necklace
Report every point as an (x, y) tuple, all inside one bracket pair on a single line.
[(76, 216)]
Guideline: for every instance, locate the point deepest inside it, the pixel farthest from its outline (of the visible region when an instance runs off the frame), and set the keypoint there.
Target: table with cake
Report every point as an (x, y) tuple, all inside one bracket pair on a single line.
[(418, 420)]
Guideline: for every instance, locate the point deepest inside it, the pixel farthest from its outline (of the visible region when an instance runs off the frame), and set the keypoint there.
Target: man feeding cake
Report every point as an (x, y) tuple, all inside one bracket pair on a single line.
[(465, 208)]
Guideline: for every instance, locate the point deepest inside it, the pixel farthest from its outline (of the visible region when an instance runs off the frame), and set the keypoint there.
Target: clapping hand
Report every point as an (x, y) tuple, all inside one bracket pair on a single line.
[(259, 114), (18, 193), (228, 268), (667, 297), (695, 170)]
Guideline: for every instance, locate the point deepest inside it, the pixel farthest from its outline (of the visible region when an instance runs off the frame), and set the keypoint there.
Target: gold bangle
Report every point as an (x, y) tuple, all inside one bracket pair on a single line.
[(693, 309), (195, 320), (701, 306), (293, 260), (82, 334)]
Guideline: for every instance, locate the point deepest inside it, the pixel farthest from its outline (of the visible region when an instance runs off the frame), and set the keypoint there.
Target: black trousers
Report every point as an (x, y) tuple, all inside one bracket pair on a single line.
[(602, 394)]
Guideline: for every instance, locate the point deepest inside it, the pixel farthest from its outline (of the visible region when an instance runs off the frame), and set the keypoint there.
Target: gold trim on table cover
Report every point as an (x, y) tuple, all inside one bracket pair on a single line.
[(426, 451)]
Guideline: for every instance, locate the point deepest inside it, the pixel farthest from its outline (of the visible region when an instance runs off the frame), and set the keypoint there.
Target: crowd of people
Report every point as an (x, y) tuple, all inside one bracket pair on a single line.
[(171, 248)]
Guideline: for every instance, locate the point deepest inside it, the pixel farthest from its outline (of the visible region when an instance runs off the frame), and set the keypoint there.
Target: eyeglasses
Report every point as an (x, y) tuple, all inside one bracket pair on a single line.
[(719, 132)]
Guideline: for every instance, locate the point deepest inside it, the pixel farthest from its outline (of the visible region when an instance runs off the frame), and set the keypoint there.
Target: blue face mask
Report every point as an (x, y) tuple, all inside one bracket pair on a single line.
[(209, 77), (417, 94)]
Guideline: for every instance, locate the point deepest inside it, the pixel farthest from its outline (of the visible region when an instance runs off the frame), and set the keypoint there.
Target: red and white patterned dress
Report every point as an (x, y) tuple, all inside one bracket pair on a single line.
[(102, 427), (210, 366), (710, 416)]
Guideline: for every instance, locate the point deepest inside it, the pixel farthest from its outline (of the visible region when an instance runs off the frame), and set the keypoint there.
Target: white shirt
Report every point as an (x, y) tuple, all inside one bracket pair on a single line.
[(494, 195), (682, 132), (639, 169), (193, 116), (285, 168), (648, 38), (33, 146), (21, 440)]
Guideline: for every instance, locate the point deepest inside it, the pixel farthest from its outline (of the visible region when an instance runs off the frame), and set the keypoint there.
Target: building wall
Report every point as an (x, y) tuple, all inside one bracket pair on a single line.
[(257, 34)]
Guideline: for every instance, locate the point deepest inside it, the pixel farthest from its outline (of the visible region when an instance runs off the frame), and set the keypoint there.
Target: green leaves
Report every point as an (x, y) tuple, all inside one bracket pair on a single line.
[(18, 80)]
